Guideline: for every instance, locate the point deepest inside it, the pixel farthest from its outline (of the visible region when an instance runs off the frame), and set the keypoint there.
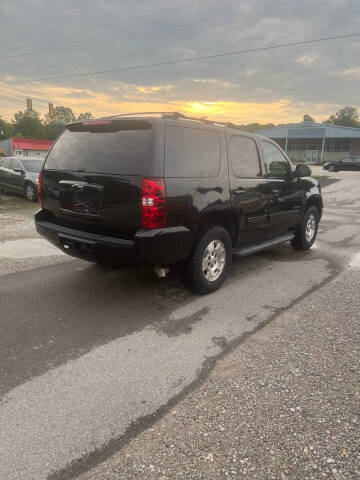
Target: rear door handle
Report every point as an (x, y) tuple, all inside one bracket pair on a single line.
[(276, 191)]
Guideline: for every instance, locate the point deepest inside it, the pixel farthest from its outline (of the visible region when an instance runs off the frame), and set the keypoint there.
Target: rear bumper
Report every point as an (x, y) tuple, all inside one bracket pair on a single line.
[(165, 246)]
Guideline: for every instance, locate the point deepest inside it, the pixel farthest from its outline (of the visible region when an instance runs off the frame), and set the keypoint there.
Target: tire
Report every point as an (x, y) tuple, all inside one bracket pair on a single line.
[(217, 243), (30, 192), (332, 168), (305, 233)]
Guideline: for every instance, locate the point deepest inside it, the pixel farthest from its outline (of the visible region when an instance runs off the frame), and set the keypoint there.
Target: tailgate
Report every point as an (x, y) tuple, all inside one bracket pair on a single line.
[(92, 176), (105, 204)]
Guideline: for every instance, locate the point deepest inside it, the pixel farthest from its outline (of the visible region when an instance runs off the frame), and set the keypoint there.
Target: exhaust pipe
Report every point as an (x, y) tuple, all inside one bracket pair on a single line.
[(161, 272)]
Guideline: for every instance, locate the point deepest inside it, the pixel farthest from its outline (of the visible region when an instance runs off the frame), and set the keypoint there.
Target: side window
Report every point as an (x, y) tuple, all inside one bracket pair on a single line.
[(244, 157), (6, 163), (191, 152), (277, 165), (347, 160), (15, 164)]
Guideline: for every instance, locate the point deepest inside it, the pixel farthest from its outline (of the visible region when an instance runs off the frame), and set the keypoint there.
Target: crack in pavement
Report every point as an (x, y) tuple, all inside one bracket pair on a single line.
[(88, 461)]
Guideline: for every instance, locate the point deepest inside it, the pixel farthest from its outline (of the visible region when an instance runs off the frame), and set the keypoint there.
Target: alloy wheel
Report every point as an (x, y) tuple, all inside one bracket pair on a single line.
[(30, 193), (310, 228), (214, 260)]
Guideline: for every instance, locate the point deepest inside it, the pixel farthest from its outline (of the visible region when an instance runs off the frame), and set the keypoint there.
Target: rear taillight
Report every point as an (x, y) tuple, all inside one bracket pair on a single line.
[(40, 191), (153, 203)]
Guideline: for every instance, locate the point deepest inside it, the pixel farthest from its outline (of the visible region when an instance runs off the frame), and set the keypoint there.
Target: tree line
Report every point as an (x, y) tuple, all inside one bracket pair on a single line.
[(346, 117), (28, 124)]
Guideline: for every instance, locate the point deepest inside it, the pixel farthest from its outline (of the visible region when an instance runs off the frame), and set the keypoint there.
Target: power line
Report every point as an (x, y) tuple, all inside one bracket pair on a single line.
[(188, 24), (7, 92), (83, 107), (202, 20), (243, 13), (12, 99), (192, 59), (19, 101)]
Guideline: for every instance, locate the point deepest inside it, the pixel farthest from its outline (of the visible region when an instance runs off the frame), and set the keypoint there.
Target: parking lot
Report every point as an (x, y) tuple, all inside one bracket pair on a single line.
[(117, 374)]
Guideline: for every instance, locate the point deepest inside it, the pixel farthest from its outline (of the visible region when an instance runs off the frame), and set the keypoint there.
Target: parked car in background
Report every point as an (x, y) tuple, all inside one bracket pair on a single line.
[(346, 164), (20, 175), (173, 191)]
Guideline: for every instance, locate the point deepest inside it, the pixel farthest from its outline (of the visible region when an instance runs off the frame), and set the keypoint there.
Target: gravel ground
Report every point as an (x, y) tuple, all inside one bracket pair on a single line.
[(283, 405), (17, 223)]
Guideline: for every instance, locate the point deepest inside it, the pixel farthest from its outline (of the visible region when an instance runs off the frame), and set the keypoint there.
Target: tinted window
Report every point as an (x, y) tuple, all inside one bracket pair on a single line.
[(191, 152), (119, 152), (277, 164), (33, 166), (244, 157)]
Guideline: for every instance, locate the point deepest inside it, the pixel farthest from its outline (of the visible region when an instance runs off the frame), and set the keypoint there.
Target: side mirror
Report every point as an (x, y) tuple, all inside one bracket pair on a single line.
[(18, 170), (302, 170)]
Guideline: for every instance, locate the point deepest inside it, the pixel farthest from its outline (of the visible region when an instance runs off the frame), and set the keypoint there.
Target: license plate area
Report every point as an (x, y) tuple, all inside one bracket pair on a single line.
[(81, 198), (78, 248)]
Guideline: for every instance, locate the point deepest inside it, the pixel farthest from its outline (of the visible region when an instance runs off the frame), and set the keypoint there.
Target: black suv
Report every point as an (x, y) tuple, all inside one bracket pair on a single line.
[(166, 190)]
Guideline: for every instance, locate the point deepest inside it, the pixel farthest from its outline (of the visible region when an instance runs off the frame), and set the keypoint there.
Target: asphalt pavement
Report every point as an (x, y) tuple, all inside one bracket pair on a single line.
[(116, 374)]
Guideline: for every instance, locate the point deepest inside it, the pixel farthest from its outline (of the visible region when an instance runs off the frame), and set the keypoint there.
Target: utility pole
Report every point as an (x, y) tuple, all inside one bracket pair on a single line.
[(29, 104), (51, 110)]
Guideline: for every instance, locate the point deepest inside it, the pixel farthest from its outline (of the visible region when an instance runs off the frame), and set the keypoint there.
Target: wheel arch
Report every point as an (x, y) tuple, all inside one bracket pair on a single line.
[(315, 201), (219, 218)]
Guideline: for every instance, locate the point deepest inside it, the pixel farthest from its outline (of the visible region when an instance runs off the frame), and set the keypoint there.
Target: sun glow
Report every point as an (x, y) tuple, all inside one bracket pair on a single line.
[(129, 98)]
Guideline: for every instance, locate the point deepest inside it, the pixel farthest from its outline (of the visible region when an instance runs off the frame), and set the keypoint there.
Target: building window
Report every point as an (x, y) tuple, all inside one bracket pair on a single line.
[(337, 145), (303, 144)]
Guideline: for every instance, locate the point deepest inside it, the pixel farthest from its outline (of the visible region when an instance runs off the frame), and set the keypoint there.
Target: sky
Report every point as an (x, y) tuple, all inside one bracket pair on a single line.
[(70, 38)]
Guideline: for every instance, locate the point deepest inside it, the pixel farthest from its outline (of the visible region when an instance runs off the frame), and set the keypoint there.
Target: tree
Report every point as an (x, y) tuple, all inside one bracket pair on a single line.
[(53, 129), (308, 118), (54, 126), (61, 115), (28, 124), (85, 116), (253, 127), (346, 117), (6, 129)]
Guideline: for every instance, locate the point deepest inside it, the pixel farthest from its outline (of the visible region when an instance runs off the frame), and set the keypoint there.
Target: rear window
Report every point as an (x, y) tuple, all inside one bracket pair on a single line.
[(103, 149), (191, 152)]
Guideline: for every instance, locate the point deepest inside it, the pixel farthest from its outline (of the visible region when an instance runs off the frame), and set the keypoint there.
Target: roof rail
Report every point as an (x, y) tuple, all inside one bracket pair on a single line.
[(178, 115), (175, 114), (209, 122)]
